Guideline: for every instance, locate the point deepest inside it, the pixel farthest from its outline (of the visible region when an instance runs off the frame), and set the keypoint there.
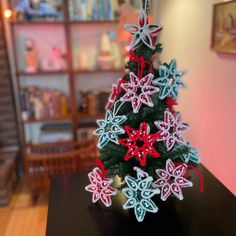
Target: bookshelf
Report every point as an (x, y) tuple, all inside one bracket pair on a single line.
[(74, 22), (43, 160), (31, 121), (67, 25), (68, 81), (98, 71)]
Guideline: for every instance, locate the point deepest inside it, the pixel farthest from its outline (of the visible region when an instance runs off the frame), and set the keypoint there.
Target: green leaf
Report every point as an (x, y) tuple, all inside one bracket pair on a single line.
[(149, 205), (118, 120), (99, 131), (103, 141), (163, 71), (174, 92), (117, 129), (149, 193), (160, 81), (130, 203), (193, 156), (172, 66), (101, 123), (112, 137), (140, 212), (109, 116), (129, 193), (145, 184), (165, 91), (132, 183)]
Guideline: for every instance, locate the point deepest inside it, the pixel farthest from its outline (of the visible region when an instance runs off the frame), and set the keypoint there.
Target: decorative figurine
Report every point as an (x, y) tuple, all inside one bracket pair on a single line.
[(30, 56), (105, 59)]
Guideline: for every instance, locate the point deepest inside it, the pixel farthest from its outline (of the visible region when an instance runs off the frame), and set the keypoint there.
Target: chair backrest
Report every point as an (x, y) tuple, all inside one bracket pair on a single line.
[(44, 161)]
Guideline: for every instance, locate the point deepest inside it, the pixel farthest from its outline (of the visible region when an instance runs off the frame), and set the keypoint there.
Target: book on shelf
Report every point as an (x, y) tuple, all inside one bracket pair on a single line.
[(41, 104), (55, 137), (93, 10), (93, 102), (56, 132)]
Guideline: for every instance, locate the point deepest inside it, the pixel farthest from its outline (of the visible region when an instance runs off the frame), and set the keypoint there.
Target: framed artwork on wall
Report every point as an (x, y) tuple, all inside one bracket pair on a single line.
[(224, 27)]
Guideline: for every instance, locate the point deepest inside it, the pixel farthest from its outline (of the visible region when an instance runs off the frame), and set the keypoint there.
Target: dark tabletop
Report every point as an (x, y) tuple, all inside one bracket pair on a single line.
[(71, 212)]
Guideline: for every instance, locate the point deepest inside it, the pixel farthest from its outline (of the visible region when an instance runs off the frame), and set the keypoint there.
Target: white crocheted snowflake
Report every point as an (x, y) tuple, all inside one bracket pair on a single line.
[(172, 180), (143, 32), (139, 92), (100, 187), (169, 80), (109, 129), (139, 194), (171, 130)]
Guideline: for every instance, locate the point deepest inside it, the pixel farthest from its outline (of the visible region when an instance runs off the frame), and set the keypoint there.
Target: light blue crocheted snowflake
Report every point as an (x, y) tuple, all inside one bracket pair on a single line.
[(191, 156), (139, 194), (109, 129), (169, 80)]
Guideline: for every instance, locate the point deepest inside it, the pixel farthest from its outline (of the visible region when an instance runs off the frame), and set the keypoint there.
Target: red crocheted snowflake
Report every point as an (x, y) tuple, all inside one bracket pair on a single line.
[(140, 143)]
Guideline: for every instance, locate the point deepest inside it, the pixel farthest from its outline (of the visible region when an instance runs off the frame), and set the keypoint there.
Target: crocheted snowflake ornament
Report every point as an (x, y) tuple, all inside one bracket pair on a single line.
[(139, 194), (139, 92), (172, 180), (169, 80), (100, 187), (143, 32), (171, 130), (109, 129), (140, 143), (116, 89), (191, 156)]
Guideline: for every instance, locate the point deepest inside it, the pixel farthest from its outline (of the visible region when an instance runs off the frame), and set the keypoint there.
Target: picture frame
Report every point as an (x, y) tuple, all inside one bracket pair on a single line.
[(224, 27)]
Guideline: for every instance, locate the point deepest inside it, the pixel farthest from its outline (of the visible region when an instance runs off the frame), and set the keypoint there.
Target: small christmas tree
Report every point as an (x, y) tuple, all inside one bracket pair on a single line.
[(141, 137)]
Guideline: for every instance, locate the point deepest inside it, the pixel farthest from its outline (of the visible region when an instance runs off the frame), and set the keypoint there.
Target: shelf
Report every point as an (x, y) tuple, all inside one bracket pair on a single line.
[(48, 73), (73, 22), (85, 116), (99, 71), (44, 73), (94, 22), (31, 121), (88, 121), (37, 22)]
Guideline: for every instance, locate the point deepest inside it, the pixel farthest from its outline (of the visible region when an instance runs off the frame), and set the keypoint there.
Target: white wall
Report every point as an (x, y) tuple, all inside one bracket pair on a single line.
[(209, 102)]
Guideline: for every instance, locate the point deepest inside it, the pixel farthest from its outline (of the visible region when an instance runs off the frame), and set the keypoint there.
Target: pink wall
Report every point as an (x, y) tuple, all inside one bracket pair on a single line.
[(209, 103)]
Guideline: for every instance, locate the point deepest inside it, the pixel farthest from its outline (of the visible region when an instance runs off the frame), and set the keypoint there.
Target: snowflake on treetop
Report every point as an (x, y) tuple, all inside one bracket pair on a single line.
[(172, 180), (169, 80), (138, 92), (143, 32), (139, 194), (171, 130), (109, 129), (140, 143), (100, 187)]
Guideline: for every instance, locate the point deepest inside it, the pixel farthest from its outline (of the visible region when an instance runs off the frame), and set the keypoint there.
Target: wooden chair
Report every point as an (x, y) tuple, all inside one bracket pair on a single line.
[(46, 160)]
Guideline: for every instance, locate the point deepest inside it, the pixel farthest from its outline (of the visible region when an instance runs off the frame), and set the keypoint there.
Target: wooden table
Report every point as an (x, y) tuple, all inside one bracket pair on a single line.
[(71, 212)]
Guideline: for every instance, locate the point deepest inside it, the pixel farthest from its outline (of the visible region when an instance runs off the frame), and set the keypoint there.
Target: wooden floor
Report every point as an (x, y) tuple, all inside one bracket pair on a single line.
[(20, 218)]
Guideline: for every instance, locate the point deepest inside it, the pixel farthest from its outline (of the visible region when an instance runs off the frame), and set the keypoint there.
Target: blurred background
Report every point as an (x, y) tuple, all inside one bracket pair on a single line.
[(58, 61)]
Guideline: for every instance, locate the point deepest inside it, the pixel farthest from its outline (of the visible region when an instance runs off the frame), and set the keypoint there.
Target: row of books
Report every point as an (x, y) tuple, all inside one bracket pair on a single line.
[(42, 103), (87, 10), (93, 102)]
